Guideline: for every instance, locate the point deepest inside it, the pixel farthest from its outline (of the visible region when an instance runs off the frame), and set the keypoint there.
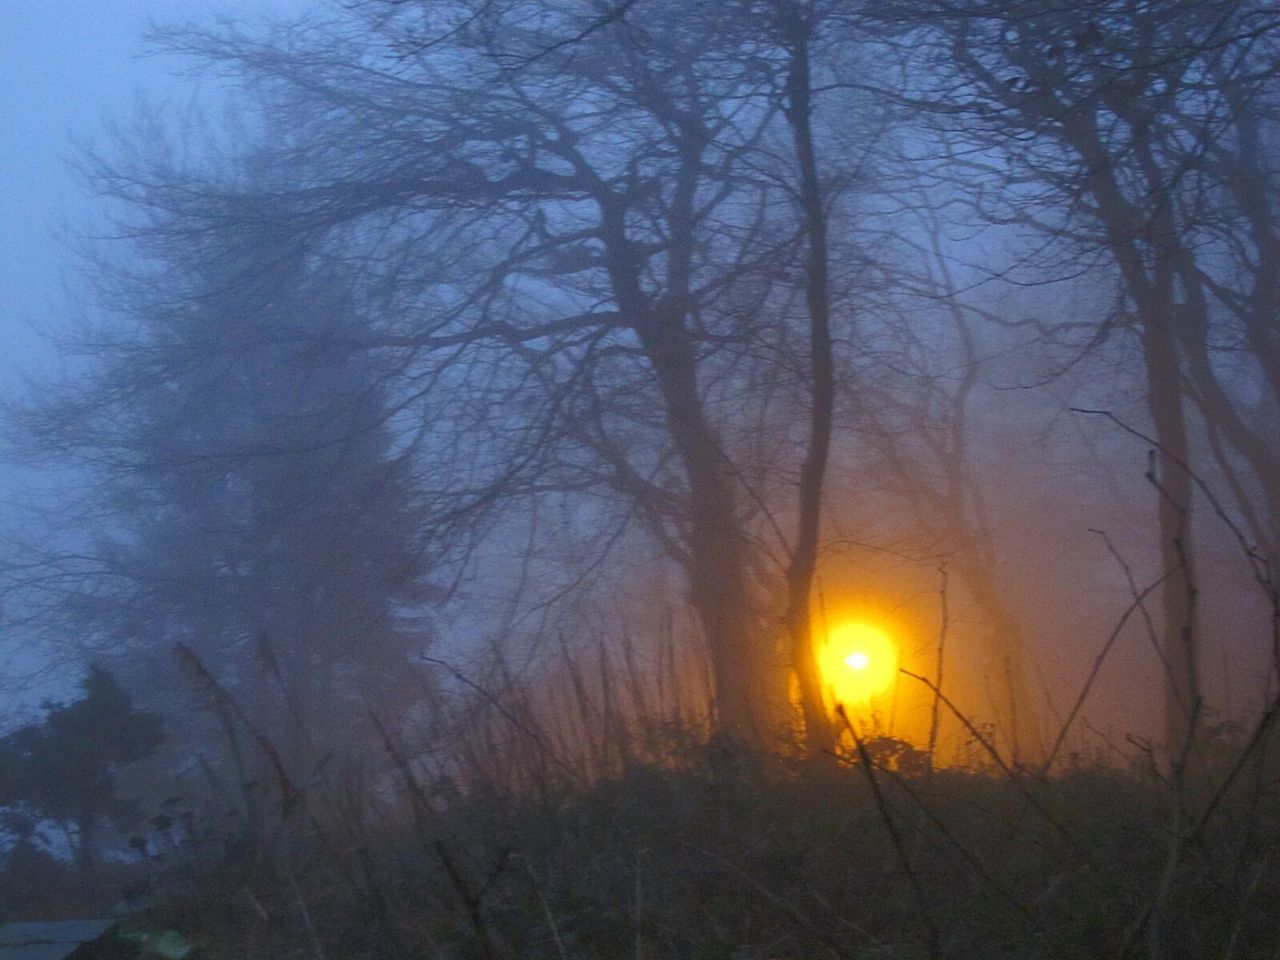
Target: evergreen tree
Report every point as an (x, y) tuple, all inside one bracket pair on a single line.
[(255, 508), (64, 767)]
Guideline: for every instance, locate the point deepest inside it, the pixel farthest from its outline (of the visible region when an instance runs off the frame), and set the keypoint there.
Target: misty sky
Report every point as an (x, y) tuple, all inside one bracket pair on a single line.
[(66, 70), (68, 67)]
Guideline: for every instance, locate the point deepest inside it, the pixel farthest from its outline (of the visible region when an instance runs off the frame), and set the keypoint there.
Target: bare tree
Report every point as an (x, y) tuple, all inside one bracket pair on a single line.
[(918, 420), (797, 25), (1110, 130), (559, 252)]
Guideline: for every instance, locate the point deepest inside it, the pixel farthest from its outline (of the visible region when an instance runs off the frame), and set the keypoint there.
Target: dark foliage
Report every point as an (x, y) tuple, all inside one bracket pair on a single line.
[(64, 767), (732, 854)]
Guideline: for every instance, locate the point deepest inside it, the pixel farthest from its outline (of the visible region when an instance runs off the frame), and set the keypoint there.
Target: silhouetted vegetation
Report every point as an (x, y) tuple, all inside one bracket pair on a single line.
[(721, 852), (62, 772), (478, 440)]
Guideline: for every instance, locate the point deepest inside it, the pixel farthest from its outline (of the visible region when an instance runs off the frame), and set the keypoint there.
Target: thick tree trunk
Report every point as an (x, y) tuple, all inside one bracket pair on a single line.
[(721, 595), (819, 734), (718, 567), (743, 669), (743, 672)]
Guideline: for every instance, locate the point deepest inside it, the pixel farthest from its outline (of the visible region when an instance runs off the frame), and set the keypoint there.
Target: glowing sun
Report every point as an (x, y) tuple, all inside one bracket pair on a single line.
[(858, 662)]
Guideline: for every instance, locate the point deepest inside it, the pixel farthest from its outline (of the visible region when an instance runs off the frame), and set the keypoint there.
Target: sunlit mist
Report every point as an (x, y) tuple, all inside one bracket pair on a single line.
[(857, 662)]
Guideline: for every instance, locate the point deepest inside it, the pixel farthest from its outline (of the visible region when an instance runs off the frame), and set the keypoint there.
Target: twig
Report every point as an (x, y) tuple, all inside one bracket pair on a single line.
[(472, 901), (507, 715), (1260, 564), (1030, 920), (793, 912), (639, 907), (256, 904), (546, 911), (1012, 775), (306, 914), (895, 838), (1136, 604), (942, 640)]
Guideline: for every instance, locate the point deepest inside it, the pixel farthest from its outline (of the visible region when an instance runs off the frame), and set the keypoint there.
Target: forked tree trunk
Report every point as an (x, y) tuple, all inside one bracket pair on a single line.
[(717, 566)]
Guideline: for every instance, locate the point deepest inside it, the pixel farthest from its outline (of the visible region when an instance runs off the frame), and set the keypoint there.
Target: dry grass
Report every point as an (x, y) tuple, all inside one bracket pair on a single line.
[(507, 828)]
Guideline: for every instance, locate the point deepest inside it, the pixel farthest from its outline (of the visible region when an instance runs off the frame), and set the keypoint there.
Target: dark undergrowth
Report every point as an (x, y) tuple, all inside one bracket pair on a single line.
[(721, 854)]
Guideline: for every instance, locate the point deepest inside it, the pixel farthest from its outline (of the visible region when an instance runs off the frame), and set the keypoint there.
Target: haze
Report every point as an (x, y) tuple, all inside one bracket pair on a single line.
[(417, 409)]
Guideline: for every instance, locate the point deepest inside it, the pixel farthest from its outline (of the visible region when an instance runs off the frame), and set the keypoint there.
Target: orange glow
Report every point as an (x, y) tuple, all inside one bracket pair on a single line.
[(858, 662)]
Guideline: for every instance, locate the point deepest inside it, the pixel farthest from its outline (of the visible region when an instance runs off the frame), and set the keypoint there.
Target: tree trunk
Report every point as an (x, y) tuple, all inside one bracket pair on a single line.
[(1177, 596), (718, 564), (743, 672), (819, 733), (721, 596), (1145, 246)]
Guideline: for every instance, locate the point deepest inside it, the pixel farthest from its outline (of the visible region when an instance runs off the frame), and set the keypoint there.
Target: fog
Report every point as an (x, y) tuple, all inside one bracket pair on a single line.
[(428, 423)]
